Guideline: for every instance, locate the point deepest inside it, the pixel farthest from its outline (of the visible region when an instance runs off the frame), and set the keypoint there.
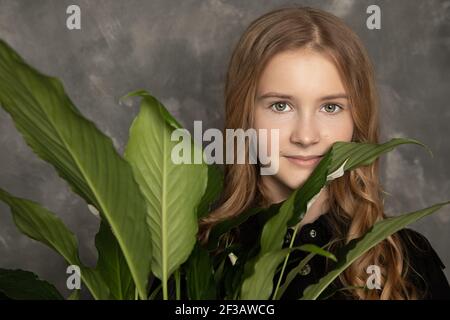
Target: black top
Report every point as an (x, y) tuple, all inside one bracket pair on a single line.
[(428, 275)]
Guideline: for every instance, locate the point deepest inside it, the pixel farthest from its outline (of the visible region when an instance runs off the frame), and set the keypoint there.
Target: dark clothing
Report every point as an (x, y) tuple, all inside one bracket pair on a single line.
[(428, 276)]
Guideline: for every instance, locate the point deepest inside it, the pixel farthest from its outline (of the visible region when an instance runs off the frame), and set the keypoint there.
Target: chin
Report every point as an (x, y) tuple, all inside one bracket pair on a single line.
[(294, 184), (294, 176)]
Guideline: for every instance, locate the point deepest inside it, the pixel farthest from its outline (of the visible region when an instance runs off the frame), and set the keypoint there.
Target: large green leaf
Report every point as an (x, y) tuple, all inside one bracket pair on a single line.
[(25, 285), (40, 224), (355, 248), (255, 287), (81, 154), (200, 275), (173, 191), (112, 265), (342, 156)]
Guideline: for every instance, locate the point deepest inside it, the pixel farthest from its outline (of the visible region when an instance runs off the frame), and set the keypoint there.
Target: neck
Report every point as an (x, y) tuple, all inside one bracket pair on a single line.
[(278, 193)]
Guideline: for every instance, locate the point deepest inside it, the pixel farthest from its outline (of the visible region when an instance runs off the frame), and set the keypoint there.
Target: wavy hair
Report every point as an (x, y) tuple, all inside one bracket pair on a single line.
[(355, 199)]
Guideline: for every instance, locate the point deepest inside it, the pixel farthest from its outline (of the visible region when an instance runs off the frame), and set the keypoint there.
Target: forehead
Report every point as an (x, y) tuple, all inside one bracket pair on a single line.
[(300, 72)]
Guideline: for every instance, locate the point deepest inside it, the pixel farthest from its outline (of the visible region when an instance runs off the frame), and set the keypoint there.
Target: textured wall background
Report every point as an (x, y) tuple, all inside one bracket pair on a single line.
[(179, 50)]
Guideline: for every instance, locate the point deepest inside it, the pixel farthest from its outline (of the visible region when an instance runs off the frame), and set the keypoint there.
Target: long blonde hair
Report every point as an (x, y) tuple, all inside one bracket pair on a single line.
[(357, 196)]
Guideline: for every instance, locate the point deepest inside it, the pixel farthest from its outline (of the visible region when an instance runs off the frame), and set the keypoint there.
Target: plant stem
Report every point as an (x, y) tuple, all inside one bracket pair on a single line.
[(284, 264), (165, 294), (177, 283)]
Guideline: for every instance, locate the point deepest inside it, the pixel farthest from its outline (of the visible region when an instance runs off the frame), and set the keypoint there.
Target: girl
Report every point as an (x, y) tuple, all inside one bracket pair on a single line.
[(303, 71)]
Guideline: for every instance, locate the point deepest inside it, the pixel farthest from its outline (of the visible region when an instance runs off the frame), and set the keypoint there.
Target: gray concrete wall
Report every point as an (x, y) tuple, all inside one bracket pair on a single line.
[(179, 50)]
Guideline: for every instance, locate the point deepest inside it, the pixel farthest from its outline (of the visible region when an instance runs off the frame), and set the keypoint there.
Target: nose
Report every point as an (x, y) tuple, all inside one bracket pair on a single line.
[(305, 131)]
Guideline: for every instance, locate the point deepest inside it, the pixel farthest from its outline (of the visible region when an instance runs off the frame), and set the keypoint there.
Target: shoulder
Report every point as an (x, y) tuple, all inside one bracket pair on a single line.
[(418, 247), (425, 267)]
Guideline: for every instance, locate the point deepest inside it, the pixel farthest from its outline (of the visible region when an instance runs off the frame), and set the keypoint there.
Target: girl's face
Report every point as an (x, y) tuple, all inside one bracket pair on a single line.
[(301, 94)]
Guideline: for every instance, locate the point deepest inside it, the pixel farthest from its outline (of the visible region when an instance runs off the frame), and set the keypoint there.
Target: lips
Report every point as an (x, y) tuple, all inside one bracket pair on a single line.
[(307, 161), (305, 157)]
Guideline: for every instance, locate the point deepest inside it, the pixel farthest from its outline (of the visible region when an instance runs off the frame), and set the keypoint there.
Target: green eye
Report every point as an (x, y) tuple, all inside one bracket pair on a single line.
[(331, 109), (279, 106)]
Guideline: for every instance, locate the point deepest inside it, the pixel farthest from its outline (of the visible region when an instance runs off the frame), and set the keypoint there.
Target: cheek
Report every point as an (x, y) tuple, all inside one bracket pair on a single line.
[(341, 130), (263, 126), (263, 121)]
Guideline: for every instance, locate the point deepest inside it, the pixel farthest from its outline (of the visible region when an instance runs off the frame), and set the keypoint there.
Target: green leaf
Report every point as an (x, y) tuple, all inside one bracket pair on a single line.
[(258, 288), (200, 276), (163, 114), (362, 154), (312, 248), (173, 191), (112, 265), (291, 276), (294, 272), (41, 225), (81, 154), (25, 285), (357, 247), (342, 156)]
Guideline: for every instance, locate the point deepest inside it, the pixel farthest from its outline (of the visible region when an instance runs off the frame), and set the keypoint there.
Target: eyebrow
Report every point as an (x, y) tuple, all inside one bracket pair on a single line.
[(285, 96)]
